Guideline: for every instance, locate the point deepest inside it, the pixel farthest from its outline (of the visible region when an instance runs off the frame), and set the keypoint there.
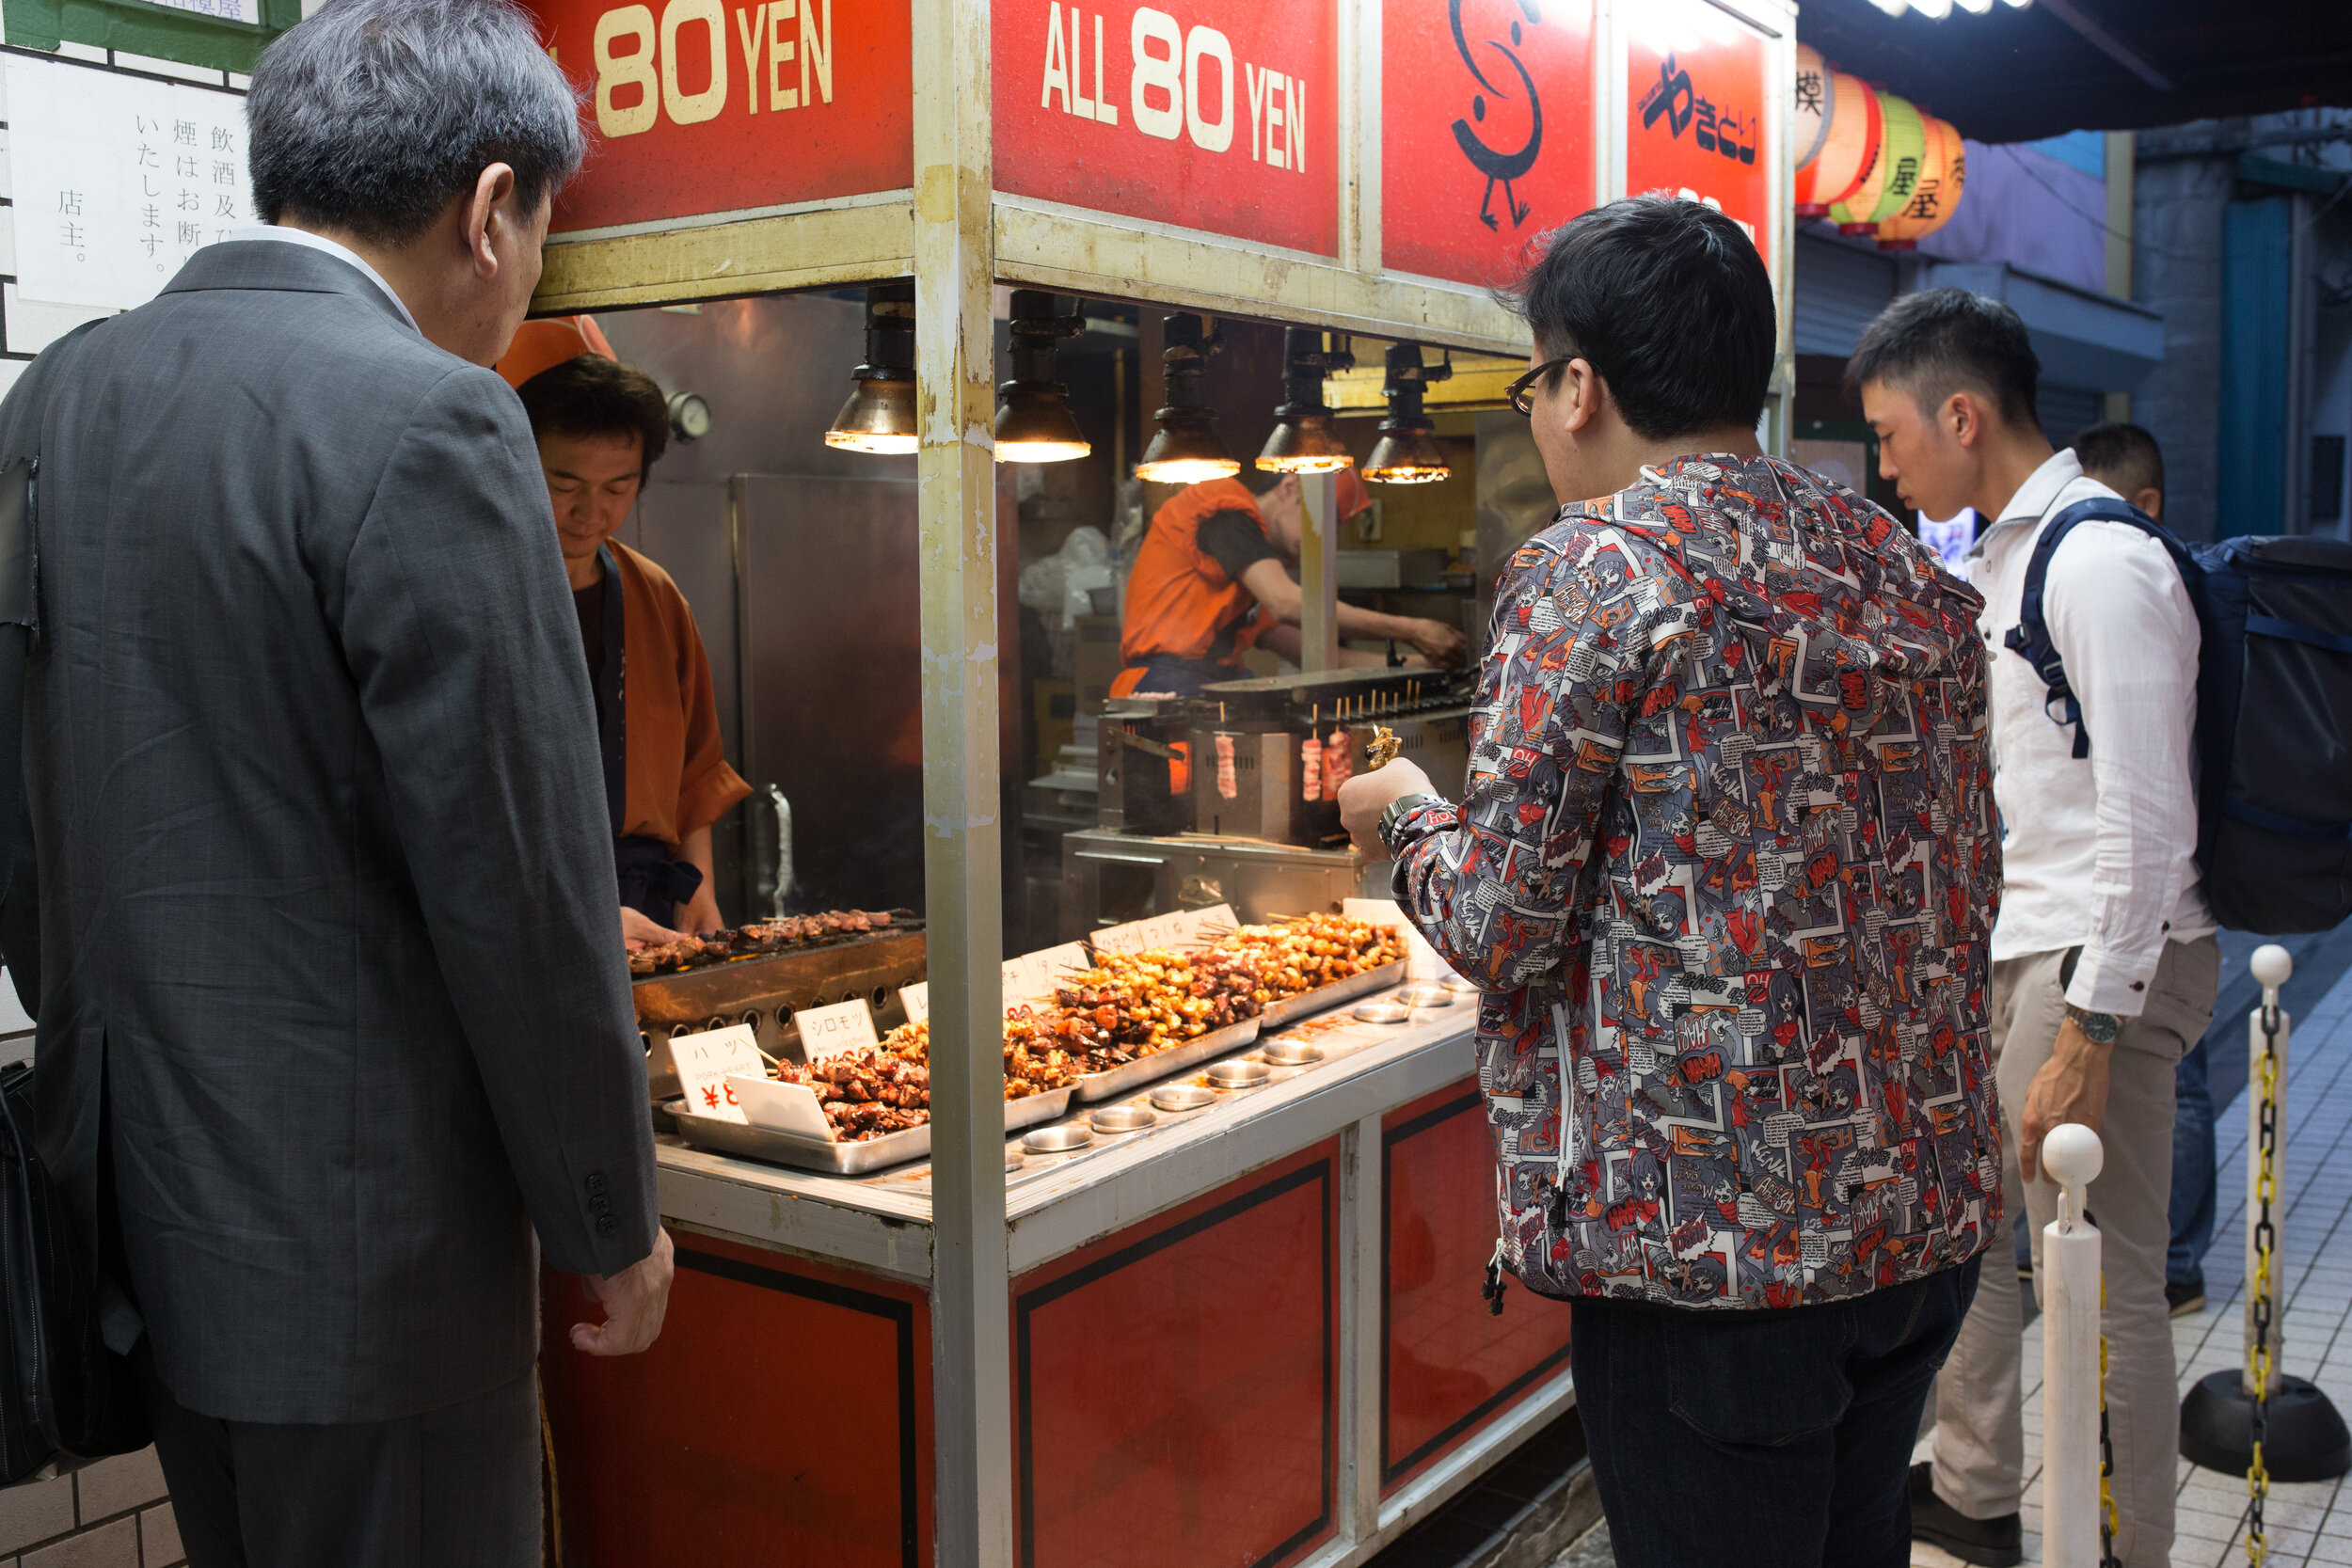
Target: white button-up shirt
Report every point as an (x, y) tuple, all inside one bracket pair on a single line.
[(2099, 852)]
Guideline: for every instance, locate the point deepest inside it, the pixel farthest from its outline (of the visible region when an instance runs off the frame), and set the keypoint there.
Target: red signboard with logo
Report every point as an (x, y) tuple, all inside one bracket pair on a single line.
[(1214, 115), (1485, 131), (1696, 84), (719, 107)]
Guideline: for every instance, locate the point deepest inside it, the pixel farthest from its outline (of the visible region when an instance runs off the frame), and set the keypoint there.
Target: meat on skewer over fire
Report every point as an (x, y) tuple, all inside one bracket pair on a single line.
[(762, 936)]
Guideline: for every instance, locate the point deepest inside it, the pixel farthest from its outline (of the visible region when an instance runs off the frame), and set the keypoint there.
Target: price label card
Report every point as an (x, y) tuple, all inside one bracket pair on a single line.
[(1185, 928), (1421, 962), (1036, 974), (708, 1060), (781, 1107), (828, 1030), (916, 1000)]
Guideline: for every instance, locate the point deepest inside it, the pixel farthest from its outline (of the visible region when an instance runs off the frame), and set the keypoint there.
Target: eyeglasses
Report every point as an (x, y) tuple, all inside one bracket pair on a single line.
[(1522, 391)]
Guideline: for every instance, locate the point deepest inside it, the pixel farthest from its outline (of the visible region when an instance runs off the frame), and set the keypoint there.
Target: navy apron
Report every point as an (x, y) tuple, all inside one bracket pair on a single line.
[(652, 883)]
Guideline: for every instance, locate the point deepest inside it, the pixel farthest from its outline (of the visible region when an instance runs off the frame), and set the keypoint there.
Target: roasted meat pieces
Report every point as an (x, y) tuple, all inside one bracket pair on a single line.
[(759, 937), (887, 1088)]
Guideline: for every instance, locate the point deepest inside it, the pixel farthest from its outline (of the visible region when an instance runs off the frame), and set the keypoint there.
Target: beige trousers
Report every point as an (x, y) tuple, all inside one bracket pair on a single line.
[(1979, 1447)]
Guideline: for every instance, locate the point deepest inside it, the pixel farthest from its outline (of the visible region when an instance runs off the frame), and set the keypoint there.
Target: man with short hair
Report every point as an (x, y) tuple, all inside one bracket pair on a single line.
[(2104, 958), (1725, 866), (331, 1017)]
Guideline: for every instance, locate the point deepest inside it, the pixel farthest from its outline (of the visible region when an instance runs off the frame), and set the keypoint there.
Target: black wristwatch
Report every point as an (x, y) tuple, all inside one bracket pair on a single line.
[(1395, 814), (2098, 1028)]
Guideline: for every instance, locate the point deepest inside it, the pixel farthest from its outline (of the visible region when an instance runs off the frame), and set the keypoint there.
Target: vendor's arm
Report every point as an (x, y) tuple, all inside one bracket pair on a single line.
[(1280, 597), (1285, 640), (700, 914), (1493, 882)]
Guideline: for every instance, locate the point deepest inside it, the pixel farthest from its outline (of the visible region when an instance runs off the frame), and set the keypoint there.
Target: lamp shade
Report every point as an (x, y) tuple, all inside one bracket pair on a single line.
[(1813, 104), (1943, 175), (1888, 184), (1849, 150), (1033, 420), (880, 415), (1186, 448)]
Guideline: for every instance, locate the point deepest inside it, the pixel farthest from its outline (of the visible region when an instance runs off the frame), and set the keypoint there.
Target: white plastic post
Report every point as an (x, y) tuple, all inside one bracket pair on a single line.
[(2072, 1156), (2271, 965)]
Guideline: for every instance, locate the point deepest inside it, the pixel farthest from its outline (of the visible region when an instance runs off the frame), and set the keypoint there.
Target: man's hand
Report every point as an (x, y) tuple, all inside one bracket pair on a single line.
[(2070, 1086), (638, 930), (1363, 797), (701, 915), (1438, 642), (634, 1301)]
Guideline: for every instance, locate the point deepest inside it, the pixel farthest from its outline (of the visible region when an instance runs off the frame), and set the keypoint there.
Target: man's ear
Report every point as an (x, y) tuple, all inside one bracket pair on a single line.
[(1962, 415), (1585, 393), (2150, 500), (489, 208)]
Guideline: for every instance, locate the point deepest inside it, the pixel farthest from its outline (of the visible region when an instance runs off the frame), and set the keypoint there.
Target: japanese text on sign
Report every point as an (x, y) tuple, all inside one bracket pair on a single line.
[(1696, 85), (1179, 932), (828, 1030), (706, 1060), (118, 179)]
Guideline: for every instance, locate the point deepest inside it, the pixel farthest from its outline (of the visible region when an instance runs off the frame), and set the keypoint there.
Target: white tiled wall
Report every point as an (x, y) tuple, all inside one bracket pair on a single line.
[(111, 1514)]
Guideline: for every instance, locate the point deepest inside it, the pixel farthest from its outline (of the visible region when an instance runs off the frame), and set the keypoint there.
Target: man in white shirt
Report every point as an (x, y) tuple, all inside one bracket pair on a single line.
[(2103, 958)]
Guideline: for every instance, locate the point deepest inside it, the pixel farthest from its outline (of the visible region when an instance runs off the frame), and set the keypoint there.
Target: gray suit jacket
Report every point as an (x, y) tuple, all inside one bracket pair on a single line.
[(327, 911)]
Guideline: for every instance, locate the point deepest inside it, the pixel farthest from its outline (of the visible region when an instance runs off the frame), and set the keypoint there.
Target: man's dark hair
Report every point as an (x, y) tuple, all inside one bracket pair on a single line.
[(1939, 341), (1669, 301), (372, 116), (590, 395), (2122, 458)]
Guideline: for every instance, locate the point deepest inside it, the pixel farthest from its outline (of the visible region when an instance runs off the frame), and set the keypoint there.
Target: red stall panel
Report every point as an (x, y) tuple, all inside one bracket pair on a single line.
[(783, 1417), (1696, 86), (1175, 1384), (1485, 131), (1451, 1365), (717, 106), (1217, 114)]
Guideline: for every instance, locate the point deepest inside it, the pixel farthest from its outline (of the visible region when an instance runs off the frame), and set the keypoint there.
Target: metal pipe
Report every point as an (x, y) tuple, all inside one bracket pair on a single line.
[(1319, 571)]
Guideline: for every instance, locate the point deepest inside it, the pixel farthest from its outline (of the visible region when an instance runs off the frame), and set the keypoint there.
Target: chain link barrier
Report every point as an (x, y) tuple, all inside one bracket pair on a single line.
[(2258, 1359)]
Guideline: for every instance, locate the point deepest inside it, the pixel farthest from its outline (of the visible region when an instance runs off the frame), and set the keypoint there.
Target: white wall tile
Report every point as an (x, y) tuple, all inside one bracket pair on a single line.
[(10, 370), (30, 325), (206, 74), (82, 51)]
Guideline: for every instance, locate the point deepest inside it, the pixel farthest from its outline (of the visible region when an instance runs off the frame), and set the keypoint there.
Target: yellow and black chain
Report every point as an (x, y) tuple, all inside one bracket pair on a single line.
[(2258, 1366), (2109, 1518)]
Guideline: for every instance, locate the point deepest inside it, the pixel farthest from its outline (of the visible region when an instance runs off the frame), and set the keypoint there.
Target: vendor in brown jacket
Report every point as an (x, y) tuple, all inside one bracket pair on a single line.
[(600, 426)]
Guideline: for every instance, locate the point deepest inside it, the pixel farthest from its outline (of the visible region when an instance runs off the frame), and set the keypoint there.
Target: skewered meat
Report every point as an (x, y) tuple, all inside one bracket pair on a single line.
[(1319, 950), (761, 936)]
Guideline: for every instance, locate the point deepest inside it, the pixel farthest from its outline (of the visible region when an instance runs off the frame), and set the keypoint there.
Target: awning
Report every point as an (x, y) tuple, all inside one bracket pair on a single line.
[(2083, 338)]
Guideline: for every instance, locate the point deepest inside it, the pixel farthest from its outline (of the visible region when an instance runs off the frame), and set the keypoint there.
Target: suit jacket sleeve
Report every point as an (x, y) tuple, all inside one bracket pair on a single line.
[(456, 620)]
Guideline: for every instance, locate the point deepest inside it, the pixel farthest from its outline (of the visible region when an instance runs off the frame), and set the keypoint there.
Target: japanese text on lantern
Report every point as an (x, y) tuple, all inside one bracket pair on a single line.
[(1218, 118)]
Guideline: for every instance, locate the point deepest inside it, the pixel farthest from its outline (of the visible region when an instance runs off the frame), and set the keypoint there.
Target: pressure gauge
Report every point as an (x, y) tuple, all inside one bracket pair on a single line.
[(689, 417)]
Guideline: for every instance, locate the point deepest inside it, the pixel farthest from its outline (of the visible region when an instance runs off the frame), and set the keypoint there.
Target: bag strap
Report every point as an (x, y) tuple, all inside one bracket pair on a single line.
[(2030, 638)]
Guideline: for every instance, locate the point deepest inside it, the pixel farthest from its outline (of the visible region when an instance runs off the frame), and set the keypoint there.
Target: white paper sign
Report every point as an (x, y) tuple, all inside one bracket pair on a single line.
[(706, 1061), (118, 179), (1036, 974), (1421, 962), (1185, 928), (781, 1107), (916, 1000), (830, 1031)]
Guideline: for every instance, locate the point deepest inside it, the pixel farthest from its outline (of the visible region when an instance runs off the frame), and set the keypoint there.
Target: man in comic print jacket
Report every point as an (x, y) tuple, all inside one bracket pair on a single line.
[(1727, 854)]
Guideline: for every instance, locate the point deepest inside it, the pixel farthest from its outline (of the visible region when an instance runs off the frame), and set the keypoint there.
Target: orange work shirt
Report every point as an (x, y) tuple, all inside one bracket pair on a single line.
[(678, 777), (1179, 600)]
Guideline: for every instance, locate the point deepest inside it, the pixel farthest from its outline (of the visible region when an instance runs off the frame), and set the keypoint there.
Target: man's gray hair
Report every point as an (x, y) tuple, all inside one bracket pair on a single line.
[(372, 116)]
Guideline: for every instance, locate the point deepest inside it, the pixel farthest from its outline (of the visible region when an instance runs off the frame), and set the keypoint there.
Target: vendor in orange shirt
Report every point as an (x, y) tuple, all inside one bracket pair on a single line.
[(1210, 583), (600, 427)]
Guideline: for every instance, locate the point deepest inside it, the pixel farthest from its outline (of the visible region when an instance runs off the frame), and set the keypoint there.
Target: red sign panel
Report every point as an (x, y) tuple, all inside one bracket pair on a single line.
[(1485, 131), (715, 107), (1696, 82), (1218, 114)]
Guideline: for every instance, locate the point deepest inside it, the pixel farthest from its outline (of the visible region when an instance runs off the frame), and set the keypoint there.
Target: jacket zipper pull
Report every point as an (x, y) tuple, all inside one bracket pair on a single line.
[(1494, 1287)]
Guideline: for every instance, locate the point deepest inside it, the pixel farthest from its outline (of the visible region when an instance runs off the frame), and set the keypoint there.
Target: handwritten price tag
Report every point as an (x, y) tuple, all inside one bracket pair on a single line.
[(1185, 928), (916, 1000), (1036, 974), (708, 1060), (828, 1030)]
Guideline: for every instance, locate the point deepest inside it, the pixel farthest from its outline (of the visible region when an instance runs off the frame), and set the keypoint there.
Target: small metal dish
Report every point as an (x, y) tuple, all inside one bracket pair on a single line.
[(1182, 1097), (1123, 1118), (1056, 1140), (1239, 1075), (1291, 1054), (1457, 985), (1425, 996), (1382, 1012)]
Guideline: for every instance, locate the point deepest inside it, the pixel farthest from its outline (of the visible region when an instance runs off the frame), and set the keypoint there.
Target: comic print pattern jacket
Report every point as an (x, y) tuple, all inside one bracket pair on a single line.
[(1728, 851)]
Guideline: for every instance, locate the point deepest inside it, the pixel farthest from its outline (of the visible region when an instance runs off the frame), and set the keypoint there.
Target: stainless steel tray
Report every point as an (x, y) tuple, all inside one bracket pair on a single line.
[(845, 1159), (1096, 1087), (1280, 1015)]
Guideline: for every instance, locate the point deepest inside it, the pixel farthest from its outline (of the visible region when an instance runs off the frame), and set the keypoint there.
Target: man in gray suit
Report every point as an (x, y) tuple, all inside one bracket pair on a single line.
[(332, 1006)]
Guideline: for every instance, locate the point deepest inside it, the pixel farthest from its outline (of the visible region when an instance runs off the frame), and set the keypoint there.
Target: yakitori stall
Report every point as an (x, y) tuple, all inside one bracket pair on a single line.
[(1205, 1289)]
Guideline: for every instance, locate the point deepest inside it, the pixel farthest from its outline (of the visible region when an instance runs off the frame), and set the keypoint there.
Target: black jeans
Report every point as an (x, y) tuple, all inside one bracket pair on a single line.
[(1762, 1439)]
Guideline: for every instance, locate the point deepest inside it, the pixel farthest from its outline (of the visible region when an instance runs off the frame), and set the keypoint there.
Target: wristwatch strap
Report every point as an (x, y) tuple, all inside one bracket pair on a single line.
[(1394, 816)]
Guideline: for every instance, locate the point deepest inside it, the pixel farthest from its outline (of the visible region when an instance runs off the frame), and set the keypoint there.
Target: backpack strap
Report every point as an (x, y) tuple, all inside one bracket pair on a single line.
[(2030, 638)]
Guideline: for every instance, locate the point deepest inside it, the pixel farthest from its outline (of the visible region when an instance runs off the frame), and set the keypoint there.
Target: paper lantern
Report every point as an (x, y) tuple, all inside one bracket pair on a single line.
[(1849, 152), (1813, 104), (1943, 175), (1889, 184)]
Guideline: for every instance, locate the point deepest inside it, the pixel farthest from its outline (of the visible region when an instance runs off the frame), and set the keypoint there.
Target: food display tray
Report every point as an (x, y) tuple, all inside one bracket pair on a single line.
[(1280, 1015), (1097, 1086), (845, 1159)]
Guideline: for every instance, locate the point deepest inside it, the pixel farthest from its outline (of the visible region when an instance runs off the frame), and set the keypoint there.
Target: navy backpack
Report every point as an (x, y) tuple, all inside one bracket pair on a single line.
[(2274, 714)]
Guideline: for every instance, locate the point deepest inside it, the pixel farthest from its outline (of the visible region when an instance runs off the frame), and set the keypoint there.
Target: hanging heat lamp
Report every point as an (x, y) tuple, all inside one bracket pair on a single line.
[(1186, 448), (1033, 420), (1942, 176), (1849, 150), (1408, 452), (1889, 185), (880, 415), (1304, 441)]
